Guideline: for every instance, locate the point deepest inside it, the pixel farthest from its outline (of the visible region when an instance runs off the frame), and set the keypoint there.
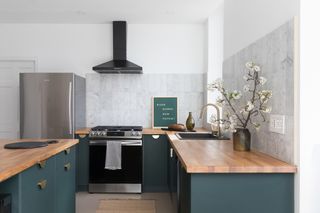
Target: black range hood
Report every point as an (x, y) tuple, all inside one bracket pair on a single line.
[(119, 64)]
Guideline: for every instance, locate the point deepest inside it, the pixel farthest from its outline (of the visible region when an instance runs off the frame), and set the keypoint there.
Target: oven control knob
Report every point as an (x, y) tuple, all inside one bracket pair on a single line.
[(92, 133), (104, 133), (99, 133), (138, 133)]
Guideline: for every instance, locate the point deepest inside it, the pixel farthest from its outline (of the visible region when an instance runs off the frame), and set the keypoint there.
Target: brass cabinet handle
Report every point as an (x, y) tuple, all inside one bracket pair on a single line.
[(42, 164), (67, 151), (42, 184), (67, 166)]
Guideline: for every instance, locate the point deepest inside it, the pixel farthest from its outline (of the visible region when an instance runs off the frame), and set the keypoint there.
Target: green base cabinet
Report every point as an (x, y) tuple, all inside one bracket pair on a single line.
[(240, 193), (11, 186), (37, 188), (65, 181), (82, 161), (155, 163), (47, 187), (172, 176)]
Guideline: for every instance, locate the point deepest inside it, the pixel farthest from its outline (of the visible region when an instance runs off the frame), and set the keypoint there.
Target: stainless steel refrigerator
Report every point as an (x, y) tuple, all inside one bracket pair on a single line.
[(52, 105)]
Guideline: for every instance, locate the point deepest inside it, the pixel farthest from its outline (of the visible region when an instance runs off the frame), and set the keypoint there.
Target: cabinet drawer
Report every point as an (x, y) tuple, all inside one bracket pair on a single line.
[(37, 188), (67, 155)]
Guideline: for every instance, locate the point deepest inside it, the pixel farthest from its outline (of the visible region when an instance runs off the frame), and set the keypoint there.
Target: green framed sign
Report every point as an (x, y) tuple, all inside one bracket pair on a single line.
[(164, 111)]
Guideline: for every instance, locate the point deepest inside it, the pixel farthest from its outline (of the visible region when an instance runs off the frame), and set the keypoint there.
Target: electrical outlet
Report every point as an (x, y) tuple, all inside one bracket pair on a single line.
[(277, 124)]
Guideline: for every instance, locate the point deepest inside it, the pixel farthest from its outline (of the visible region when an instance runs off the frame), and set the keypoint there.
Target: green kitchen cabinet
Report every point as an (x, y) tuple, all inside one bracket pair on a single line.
[(37, 188), (172, 175), (230, 192), (82, 163), (65, 175), (46, 187), (12, 187), (155, 163), (184, 193)]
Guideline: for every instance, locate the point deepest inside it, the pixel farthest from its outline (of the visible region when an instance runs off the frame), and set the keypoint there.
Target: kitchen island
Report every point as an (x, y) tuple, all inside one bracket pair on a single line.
[(40, 179)]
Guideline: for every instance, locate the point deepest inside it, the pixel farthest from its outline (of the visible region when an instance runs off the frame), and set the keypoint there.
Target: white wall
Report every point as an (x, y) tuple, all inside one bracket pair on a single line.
[(78, 47), (248, 20), (309, 107), (215, 25)]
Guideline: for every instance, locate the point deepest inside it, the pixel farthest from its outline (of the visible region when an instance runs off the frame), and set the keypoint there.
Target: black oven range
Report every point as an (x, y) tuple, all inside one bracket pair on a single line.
[(127, 179)]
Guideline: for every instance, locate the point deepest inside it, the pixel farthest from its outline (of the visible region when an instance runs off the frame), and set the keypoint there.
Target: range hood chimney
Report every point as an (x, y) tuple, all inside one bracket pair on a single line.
[(119, 64)]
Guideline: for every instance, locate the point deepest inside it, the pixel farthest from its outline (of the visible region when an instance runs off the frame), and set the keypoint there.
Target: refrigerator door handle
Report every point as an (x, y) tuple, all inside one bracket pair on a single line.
[(70, 111)]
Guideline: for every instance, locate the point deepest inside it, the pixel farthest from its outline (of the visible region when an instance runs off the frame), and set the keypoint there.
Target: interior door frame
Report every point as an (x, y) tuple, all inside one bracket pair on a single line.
[(34, 60)]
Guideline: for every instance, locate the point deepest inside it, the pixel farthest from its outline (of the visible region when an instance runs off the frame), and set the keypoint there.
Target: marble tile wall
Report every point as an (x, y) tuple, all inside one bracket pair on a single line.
[(125, 99), (275, 54)]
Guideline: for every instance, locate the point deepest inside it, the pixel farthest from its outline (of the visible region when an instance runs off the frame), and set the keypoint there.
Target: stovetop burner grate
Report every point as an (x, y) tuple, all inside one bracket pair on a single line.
[(117, 128)]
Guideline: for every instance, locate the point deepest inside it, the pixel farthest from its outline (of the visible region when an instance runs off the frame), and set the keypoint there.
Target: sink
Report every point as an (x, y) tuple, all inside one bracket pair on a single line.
[(199, 136)]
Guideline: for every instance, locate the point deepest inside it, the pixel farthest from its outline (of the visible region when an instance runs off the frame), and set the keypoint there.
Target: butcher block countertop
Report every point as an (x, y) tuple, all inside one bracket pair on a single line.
[(218, 156), (83, 131), (14, 161)]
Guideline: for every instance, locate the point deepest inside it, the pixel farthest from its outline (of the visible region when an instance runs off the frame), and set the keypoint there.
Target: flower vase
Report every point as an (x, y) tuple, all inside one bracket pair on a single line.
[(241, 140), (190, 123)]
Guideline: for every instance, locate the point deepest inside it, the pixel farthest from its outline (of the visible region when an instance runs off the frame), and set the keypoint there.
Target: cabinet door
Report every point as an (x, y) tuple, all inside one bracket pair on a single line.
[(172, 175), (172, 170), (82, 161), (11, 186), (37, 188), (184, 190), (155, 163), (65, 181)]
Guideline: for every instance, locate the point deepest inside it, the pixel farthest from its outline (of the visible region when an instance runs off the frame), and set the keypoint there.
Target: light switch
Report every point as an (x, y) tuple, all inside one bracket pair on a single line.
[(277, 124)]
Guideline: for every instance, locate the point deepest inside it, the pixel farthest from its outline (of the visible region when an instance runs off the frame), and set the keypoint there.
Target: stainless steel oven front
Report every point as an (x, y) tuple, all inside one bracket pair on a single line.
[(128, 179)]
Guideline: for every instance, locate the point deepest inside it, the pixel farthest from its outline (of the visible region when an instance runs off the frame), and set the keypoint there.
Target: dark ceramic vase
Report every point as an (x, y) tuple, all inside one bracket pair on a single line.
[(190, 123), (241, 140)]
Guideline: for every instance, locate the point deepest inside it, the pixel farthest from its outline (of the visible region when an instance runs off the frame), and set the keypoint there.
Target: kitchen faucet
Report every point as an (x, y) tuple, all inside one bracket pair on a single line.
[(218, 117)]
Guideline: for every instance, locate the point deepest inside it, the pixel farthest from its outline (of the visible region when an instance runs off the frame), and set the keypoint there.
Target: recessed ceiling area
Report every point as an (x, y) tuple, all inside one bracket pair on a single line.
[(105, 11)]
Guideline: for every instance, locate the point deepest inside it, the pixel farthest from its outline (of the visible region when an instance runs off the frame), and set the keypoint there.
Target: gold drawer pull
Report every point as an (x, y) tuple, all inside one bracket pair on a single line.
[(42, 184), (42, 164), (67, 151), (67, 166)]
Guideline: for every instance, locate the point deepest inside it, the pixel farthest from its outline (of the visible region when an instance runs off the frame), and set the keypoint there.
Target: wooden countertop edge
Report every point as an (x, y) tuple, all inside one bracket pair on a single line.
[(235, 169), (8, 173)]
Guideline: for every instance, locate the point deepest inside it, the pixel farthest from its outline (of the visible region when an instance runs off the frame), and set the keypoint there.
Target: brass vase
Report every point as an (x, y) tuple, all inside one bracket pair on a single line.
[(190, 123), (241, 140)]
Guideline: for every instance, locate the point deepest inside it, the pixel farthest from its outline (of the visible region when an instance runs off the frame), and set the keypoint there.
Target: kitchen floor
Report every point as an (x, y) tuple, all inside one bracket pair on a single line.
[(88, 203)]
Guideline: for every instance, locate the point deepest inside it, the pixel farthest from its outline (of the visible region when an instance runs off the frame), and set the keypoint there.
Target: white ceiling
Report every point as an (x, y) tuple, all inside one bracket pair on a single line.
[(104, 11)]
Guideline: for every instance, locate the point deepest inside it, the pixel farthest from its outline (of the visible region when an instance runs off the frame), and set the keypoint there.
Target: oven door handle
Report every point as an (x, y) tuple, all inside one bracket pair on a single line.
[(123, 143), (131, 143)]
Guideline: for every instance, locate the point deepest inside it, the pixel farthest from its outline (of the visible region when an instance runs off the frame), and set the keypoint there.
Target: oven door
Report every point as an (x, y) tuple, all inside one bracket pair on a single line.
[(125, 180)]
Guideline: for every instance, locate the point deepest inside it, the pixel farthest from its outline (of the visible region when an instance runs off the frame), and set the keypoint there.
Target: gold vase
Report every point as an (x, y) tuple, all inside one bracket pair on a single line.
[(190, 123)]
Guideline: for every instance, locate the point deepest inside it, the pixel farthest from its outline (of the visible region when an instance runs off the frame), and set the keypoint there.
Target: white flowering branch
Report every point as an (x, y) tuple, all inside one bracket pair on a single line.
[(255, 107)]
